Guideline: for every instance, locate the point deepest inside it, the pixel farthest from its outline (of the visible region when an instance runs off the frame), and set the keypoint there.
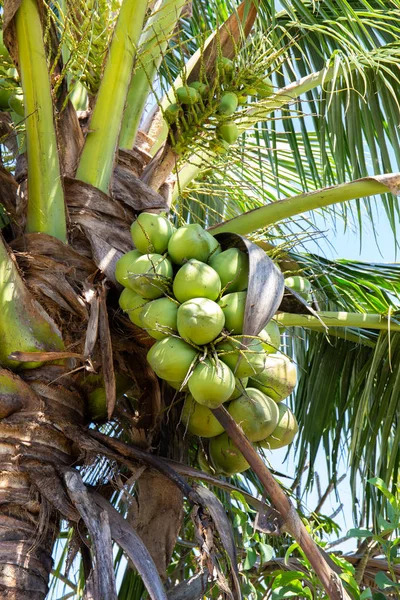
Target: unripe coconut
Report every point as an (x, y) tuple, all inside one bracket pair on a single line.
[(226, 66), (200, 320), (278, 379), (133, 305), (225, 456), (240, 386), (214, 246), (199, 419), (228, 104), (123, 268), (171, 113), (265, 88), (190, 241), (228, 131), (211, 383), (284, 432), (196, 280), (187, 95), (256, 414), (243, 360), (200, 87), (150, 275), (171, 358), (301, 285), (270, 337), (151, 233), (203, 464), (232, 266), (233, 306), (177, 385), (159, 318)]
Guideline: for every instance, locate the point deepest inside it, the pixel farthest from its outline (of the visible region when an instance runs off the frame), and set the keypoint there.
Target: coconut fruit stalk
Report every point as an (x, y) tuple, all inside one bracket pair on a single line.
[(24, 325)]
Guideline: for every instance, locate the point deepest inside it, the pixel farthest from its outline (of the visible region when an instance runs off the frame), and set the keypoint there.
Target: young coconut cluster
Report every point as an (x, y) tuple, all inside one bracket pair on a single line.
[(190, 296), (198, 101)]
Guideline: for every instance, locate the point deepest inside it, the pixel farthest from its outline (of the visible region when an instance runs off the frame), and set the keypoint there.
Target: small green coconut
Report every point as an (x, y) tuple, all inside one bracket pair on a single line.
[(123, 268), (278, 379), (200, 320), (228, 104), (133, 304), (245, 360), (301, 285), (199, 419), (211, 383), (233, 306), (196, 280), (172, 113), (232, 266), (190, 241), (240, 386), (284, 432), (270, 337), (150, 275), (228, 131), (159, 318), (151, 233), (226, 457), (256, 414), (187, 95), (171, 358)]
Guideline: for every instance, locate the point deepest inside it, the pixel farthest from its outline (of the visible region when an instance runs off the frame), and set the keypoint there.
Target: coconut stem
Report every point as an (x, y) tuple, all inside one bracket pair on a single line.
[(338, 319), (292, 522)]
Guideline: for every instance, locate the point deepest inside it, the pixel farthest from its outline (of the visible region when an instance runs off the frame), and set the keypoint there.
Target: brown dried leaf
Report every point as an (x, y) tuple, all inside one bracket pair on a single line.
[(126, 537), (225, 531), (225, 40), (266, 283), (107, 354)]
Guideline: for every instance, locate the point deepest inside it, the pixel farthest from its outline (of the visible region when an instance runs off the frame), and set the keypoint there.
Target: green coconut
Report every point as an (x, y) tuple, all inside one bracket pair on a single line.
[(211, 383), (177, 385), (265, 88), (278, 379), (133, 305), (190, 241), (187, 95), (214, 246), (301, 285), (172, 112), (196, 280), (244, 360), (240, 386), (200, 320), (150, 275), (256, 414), (171, 358), (233, 306), (228, 131), (270, 337), (203, 463), (199, 419), (159, 318), (151, 232), (123, 268), (284, 432), (228, 104), (225, 456), (200, 87), (232, 266)]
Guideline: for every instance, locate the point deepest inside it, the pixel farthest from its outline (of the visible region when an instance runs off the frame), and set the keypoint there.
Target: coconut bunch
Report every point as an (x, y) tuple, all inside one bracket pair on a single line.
[(190, 296), (200, 101)]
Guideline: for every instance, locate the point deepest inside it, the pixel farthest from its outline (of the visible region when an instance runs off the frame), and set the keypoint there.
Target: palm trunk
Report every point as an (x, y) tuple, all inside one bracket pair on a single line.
[(34, 449)]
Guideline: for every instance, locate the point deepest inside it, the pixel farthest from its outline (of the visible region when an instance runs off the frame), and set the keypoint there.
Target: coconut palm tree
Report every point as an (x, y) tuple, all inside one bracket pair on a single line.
[(89, 141)]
